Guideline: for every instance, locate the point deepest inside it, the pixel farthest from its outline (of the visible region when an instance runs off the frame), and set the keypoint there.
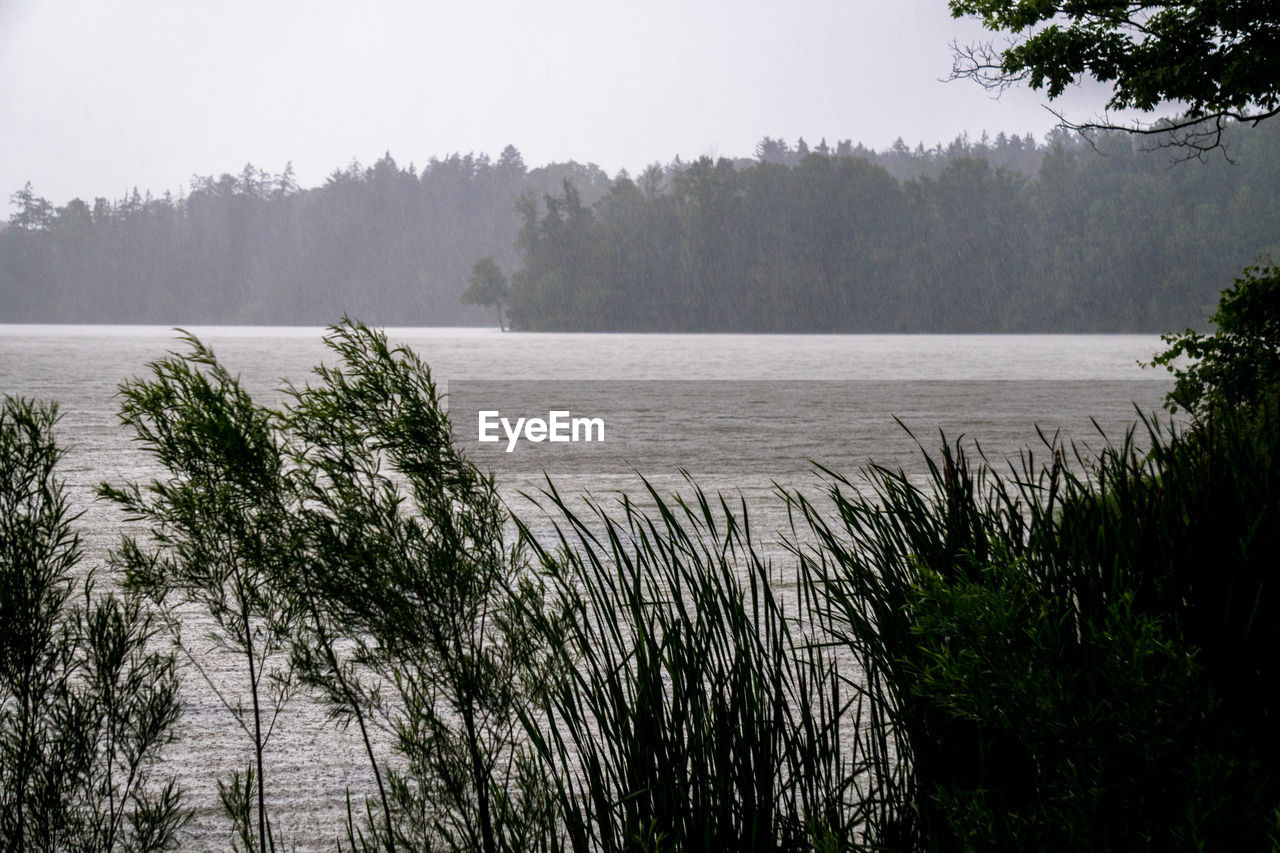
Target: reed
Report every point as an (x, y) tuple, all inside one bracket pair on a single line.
[(692, 711), (1061, 656)]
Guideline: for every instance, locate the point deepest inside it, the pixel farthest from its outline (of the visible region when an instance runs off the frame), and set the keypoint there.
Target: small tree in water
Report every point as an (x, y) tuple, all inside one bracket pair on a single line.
[(487, 286)]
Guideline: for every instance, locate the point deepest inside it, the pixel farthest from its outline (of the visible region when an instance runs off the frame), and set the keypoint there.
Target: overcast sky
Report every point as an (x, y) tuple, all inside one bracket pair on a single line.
[(97, 97)]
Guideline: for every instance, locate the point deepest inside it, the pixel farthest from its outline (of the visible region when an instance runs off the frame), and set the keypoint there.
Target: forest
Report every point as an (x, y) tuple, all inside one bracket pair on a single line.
[(1002, 234), (386, 243), (998, 236)]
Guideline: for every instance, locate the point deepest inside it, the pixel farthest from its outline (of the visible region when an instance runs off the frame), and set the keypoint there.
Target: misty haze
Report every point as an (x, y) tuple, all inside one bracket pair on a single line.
[(999, 234), (928, 495)]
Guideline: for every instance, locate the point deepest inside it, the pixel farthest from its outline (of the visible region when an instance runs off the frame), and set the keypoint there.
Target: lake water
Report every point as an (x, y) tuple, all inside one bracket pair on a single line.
[(742, 412)]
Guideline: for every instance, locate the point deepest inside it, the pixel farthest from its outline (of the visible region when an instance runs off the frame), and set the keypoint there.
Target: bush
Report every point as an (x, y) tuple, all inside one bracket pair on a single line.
[(86, 705), (1066, 661), (343, 542), (1238, 366)]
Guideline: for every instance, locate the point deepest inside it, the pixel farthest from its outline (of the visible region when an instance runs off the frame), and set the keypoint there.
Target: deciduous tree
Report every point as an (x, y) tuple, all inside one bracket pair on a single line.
[(487, 286), (1218, 59)]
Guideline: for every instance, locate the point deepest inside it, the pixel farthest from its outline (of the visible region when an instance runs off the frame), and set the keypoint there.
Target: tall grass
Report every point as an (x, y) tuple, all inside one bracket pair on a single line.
[(1063, 660), (690, 712)]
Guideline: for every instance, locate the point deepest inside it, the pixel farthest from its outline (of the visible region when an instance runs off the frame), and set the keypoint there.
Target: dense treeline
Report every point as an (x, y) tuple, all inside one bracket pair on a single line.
[(384, 242), (994, 236), (980, 235)]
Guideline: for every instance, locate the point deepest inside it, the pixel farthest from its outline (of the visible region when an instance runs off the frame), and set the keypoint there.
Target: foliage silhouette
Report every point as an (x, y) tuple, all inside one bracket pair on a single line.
[(692, 709), (1035, 659), (408, 560), (1238, 366), (1217, 58), (218, 532), (86, 703)]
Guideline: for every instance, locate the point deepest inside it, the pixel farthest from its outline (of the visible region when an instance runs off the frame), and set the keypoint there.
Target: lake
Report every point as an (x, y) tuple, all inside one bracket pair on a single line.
[(740, 412)]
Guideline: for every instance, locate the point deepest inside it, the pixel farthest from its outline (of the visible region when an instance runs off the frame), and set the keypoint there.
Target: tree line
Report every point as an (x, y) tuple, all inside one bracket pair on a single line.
[(990, 234), (1072, 236), (384, 242)]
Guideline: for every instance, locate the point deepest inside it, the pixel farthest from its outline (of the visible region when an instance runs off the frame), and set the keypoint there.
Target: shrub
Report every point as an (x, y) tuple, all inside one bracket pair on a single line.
[(86, 704), (1065, 661)]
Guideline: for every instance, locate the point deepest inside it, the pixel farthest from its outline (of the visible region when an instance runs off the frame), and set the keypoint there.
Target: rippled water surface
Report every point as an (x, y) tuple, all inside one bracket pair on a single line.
[(995, 389)]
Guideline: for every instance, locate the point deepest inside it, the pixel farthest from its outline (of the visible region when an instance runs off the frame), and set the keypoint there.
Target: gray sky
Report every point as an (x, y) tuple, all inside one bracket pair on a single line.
[(97, 97)]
